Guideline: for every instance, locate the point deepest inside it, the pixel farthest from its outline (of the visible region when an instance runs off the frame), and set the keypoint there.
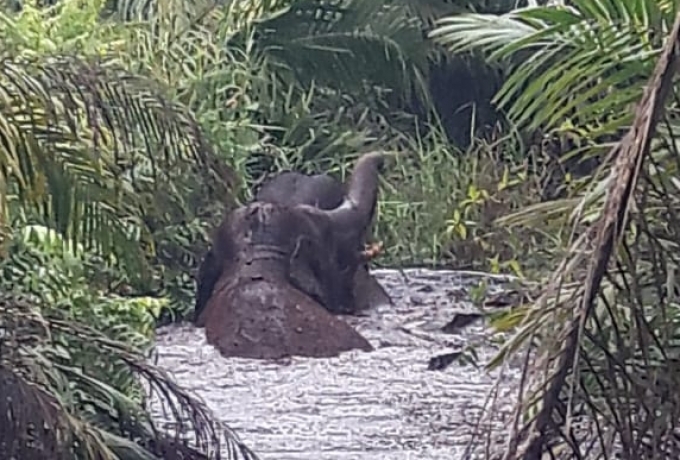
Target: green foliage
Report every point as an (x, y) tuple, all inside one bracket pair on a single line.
[(123, 122), (265, 114), (348, 45), (40, 265), (99, 154), (575, 73), (245, 71), (601, 339), (87, 174), (307, 86), (69, 25), (53, 407), (86, 382), (449, 203), (576, 70)]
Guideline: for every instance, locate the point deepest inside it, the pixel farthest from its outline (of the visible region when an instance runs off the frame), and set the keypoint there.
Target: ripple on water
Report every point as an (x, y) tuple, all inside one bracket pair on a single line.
[(379, 405)]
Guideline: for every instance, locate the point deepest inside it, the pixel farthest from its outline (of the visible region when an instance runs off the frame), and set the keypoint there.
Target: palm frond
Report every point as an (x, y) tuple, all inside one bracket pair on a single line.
[(46, 417), (606, 324), (74, 134), (345, 45), (583, 63)]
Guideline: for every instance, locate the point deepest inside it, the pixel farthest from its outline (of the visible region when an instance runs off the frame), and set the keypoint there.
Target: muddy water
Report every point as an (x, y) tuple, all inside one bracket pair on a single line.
[(383, 405)]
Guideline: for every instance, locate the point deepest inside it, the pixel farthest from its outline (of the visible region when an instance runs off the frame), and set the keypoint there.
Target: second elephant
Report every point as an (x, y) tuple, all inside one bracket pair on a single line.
[(274, 273), (291, 188)]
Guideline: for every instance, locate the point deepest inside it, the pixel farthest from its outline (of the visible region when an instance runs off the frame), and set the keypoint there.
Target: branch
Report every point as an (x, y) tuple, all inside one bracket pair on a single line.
[(630, 153)]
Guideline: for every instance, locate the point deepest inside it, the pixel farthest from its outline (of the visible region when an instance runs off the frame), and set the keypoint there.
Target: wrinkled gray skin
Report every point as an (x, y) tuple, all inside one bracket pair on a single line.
[(325, 192), (278, 274), (291, 188), (318, 250)]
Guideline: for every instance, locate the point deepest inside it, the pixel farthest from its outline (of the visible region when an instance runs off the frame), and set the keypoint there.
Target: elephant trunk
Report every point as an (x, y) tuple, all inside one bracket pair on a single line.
[(356, 211)]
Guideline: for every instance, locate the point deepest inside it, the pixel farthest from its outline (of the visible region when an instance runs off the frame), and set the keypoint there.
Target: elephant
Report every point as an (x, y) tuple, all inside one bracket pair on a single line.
[(291, 188), (275, 272)]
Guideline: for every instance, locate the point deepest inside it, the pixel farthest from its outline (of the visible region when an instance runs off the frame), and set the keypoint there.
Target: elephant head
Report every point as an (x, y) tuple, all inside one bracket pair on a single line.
[(266, 287), (326, 193)]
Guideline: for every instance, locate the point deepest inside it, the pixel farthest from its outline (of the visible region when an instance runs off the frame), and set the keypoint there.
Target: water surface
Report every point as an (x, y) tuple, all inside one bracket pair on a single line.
[(384, 404)]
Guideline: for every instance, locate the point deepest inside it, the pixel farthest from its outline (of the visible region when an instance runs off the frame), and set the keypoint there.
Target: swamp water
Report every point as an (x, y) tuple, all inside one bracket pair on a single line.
[(382, 405)]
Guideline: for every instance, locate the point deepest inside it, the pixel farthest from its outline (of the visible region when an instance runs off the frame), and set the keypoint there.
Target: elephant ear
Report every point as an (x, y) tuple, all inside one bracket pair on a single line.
[(206, 278), (307, 272), (314, 268), (219, 260), (352, 219)]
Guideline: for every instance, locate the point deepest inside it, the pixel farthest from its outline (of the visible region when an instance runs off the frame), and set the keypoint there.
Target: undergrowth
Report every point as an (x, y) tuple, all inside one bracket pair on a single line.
[(439, 203)]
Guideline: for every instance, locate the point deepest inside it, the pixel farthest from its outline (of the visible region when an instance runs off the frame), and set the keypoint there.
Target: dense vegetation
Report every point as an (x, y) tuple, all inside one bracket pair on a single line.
[(127, 127)]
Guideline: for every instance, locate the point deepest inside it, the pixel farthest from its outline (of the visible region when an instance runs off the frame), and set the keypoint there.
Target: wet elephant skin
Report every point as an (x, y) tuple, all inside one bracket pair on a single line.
[(266, 319), (275, 272), (292, 188), (302, 242), (254, 310)]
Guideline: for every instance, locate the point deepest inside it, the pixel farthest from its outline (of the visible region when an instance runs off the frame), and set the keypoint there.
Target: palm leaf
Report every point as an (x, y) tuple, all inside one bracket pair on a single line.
[(345, 45), (85, 144), (43, 420), (585, 63), (606, 325)]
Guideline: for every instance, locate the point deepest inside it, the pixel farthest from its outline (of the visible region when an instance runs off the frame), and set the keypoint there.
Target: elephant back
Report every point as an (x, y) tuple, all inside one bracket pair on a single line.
[(261, 319), (291, 188)]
